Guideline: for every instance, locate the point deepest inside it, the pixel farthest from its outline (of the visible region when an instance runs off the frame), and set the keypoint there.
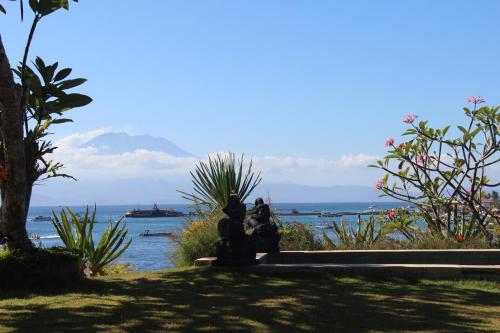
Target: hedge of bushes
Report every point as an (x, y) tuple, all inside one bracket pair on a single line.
[(199, 237), (41, 267)]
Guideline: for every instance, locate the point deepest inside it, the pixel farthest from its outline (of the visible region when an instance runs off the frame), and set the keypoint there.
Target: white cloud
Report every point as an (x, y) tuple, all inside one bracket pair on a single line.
[(144, 176), (358, 160), (76, 139), (87, 163)]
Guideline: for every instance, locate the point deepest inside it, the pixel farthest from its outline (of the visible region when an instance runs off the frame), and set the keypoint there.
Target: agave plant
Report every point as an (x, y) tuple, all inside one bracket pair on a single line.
[(466, 226), (108, 248), (213, 182), (76, 234), (74, 229)]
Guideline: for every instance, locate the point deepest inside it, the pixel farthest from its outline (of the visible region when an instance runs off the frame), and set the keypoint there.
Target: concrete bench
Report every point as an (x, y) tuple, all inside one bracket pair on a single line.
[(452, 257), (455, 263)]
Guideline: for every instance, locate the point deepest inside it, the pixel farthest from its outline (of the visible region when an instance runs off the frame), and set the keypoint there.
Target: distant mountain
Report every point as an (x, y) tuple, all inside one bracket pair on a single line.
[(118, 143), (149, 191)]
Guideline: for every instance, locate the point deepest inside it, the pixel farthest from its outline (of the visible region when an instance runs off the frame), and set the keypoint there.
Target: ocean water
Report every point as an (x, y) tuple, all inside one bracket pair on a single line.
[(155, 253)]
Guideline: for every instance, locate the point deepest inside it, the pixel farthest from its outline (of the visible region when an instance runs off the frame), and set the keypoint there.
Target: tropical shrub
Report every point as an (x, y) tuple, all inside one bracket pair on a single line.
[(77, 234), (446, 178), (365, 235), (197, 240), (213, 182), (428, 240), (39, 267), (199, 237), (297, 236)]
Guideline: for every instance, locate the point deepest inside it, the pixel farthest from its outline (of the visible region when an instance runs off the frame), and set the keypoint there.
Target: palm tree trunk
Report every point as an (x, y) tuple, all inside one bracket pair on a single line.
[(14, 180)]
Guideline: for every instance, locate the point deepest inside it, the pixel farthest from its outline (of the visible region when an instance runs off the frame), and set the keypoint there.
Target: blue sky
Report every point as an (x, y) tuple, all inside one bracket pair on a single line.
[(312, 79)]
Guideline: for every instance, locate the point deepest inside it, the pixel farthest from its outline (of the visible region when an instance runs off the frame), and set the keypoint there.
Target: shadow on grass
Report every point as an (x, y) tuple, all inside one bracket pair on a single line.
[(224, 300)]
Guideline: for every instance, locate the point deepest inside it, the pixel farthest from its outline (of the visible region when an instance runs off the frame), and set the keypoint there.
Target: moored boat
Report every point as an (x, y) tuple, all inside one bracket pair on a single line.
[(330, 214), (155, 212), (41, 218), (148, 233)]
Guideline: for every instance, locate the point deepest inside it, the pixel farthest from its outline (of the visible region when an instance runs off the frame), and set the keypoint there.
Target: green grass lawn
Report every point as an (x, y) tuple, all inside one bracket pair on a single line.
[(194, 300)]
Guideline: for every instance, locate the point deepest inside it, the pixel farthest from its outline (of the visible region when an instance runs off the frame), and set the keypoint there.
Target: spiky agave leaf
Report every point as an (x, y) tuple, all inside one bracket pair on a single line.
[(76, 234), (215, 180)]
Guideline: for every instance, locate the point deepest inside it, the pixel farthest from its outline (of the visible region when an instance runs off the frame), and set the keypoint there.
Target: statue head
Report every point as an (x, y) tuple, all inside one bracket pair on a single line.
[(235, 209), (259, 201)]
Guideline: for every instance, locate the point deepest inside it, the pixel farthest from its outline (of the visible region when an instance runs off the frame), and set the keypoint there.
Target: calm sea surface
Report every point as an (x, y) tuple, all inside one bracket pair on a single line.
[(154, 253)]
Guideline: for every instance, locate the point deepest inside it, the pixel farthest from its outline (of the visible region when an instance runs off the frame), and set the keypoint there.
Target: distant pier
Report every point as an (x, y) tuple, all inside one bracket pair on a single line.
[(326, 214)]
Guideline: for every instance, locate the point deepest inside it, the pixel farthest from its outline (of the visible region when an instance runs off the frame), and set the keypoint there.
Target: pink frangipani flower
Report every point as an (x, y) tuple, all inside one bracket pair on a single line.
[(476, 100), (379, 185), (389, 142), (421, 158), (410, 118), (392, 214)]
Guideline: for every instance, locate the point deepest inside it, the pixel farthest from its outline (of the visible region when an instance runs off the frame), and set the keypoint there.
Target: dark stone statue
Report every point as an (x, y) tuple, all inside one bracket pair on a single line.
[(234, 247), (265, 233)]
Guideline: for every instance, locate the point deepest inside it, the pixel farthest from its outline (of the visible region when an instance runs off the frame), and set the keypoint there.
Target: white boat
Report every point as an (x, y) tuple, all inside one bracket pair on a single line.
[(372, 209)]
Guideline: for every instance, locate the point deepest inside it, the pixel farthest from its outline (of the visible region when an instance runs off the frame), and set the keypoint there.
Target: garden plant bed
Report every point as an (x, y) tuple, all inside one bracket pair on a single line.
[(455, 263)]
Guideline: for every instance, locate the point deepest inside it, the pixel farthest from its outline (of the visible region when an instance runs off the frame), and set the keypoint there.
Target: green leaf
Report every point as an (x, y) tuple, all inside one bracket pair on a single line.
[(68, 84), (63, 73), (48, 75), (410, 131), (61, 121), (463, 129), (476, 131), (74, 101), (45, 7), (445, 130), (34, 5), (39, 64)]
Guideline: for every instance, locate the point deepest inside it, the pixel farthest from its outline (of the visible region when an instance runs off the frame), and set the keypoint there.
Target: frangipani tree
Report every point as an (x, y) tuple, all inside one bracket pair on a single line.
[(29, 106), (446, 177)]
